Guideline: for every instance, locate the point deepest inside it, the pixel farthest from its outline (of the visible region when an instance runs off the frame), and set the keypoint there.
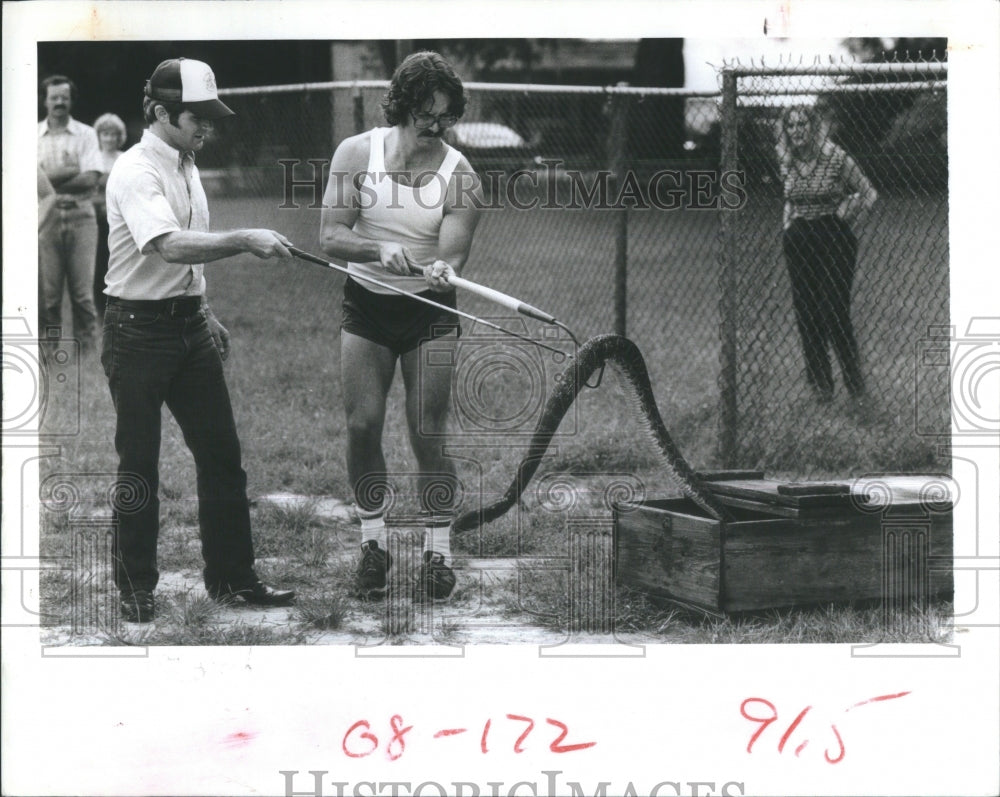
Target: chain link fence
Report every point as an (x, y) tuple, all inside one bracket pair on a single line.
[(624, 209), (813, 309)]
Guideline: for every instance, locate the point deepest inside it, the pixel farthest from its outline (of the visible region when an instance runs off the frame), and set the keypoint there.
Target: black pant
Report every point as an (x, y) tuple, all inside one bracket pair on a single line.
[(101, 263), (151, 359), (821, 255)]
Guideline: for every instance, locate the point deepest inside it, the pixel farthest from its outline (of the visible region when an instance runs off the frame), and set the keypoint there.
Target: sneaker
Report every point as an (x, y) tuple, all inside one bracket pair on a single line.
[(138, 606), (372, 570), (435, 580)]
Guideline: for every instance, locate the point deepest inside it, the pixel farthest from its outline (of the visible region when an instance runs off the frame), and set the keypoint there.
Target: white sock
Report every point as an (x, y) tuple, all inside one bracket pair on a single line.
[(373, 527), (437, 537)]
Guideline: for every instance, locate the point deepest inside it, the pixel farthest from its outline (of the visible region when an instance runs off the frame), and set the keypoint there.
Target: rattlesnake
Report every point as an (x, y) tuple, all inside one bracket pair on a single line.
[(593, 355)]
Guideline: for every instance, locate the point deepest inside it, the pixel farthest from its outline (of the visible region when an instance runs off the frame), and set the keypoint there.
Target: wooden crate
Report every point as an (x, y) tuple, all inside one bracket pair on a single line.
[(788, 544)]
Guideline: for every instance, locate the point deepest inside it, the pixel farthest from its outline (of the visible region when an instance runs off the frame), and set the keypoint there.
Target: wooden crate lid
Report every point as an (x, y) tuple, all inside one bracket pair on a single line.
[(749, 489)]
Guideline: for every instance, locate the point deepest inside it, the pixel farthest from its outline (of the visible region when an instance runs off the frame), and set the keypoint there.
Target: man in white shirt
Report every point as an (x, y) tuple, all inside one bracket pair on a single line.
[(69, 156), (411, 201), (162, 344)]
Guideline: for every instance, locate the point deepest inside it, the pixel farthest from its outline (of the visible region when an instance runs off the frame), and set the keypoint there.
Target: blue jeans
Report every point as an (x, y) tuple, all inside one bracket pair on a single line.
[(67, 248), (151, 359)]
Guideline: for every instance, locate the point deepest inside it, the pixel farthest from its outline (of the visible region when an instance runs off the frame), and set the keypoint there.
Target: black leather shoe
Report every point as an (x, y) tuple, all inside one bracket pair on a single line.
[(258, 594), (138, 606)]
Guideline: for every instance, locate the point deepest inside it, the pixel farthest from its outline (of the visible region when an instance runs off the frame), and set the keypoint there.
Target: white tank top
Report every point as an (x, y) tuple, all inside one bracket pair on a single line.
[(409, 216)]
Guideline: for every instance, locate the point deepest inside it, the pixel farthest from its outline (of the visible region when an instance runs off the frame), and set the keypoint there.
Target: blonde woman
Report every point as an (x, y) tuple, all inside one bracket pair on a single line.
[(825, 192), (111, 135)]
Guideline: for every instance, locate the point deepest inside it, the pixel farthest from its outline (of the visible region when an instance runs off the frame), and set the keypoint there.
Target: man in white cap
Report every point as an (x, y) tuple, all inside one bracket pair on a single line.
[(162, 343)]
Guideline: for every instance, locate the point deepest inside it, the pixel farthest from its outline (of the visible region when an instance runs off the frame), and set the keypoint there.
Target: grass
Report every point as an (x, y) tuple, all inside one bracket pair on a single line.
[(285, 384), (324, 612), (183, 617)]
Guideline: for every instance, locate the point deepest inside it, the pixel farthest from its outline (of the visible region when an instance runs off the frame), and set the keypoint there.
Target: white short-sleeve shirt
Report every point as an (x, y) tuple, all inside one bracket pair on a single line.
[(153, 189)]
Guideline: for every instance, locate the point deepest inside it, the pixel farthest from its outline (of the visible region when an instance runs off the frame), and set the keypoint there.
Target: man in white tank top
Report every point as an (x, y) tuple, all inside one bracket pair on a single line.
[(402, 206)]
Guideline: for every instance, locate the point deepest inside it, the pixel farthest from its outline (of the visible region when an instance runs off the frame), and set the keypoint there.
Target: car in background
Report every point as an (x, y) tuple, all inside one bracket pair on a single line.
[(493, 147)]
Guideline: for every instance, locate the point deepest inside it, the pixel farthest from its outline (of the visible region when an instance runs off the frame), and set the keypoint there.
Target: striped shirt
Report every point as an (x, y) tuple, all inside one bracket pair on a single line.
[(816, 189)]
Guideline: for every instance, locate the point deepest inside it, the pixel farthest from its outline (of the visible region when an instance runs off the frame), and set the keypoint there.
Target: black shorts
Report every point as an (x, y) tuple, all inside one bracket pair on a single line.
[(395, 321)]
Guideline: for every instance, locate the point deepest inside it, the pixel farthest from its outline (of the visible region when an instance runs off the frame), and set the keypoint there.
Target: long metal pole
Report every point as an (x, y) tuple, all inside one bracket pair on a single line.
[(618, 157), (302, 255), (729, 413)]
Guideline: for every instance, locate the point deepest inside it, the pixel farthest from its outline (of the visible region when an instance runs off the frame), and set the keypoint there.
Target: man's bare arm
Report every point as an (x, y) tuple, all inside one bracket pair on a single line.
[(191, 246), (342, 204), (461, 217)]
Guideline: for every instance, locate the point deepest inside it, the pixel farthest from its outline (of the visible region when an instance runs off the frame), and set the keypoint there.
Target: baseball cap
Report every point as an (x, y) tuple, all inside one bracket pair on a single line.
[(191, 83)]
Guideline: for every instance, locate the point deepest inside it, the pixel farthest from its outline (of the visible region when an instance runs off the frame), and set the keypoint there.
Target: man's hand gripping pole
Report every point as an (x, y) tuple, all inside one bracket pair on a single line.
[(472, 287)]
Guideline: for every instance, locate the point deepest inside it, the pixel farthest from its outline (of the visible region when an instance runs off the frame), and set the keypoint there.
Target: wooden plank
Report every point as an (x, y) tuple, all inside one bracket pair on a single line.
[(761, 510), (730, 475), (667, 548), (814, 488), (942, 577), (663, 551), (768, 494), (786, 562)]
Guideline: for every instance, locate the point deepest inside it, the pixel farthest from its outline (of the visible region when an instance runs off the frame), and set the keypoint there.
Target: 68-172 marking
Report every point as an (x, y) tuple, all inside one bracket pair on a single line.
[(360, 741)]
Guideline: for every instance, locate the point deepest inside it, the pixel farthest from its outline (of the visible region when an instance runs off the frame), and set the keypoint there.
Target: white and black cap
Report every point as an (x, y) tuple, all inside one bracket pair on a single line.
[(191, 83)]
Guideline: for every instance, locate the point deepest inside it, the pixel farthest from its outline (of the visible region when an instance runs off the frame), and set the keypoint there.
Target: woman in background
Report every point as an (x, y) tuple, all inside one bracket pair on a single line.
[(111, 135), (825, 192)]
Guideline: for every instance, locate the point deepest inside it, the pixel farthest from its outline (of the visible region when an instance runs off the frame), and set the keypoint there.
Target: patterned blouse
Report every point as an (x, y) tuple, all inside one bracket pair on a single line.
[(819, 188)]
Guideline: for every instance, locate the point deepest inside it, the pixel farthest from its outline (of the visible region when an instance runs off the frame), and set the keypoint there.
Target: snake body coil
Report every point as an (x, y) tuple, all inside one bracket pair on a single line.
[(593, 355)]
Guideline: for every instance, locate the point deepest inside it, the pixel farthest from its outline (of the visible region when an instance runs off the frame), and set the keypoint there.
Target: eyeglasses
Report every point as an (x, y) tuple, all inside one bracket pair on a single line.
[(422, 121)]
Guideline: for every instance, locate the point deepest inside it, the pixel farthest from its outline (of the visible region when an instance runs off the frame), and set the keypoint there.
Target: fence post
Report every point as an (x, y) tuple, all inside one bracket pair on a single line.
[(728, 409), (618, 161), (359, 110)]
